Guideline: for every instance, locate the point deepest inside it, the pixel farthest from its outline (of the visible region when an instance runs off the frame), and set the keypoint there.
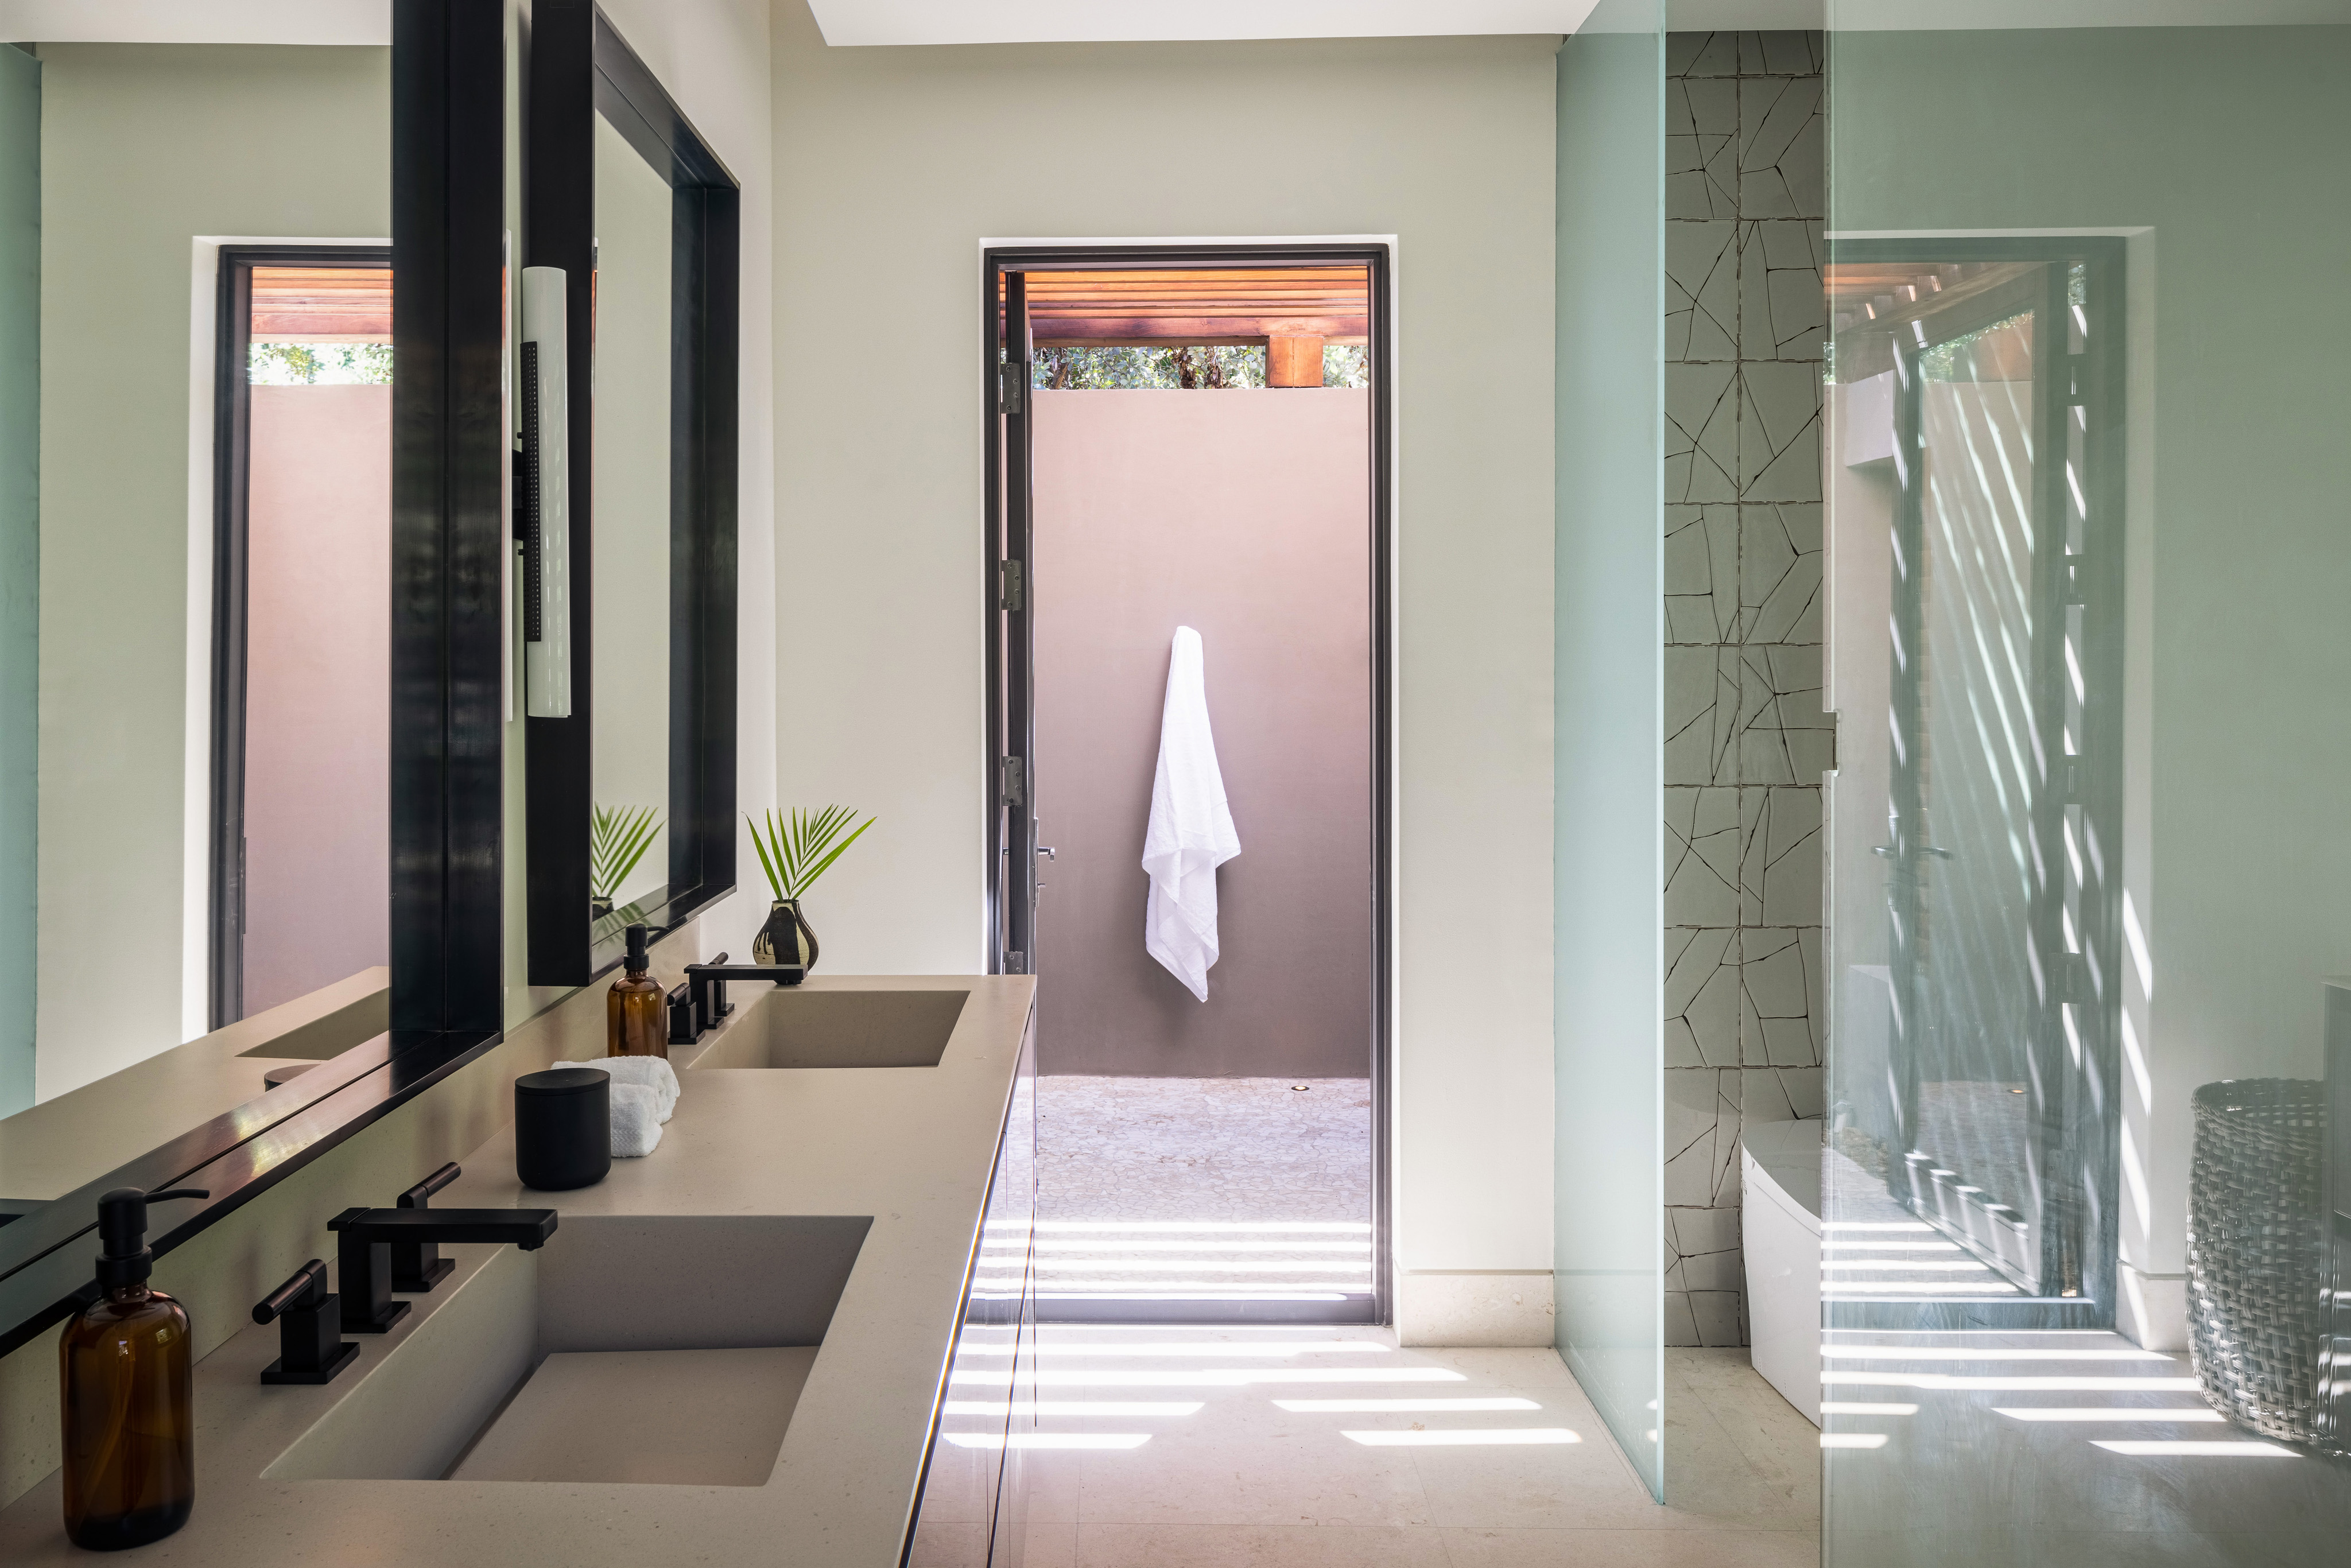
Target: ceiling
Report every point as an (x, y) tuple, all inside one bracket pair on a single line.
[(866, 22), (197, 21), (853, 21)]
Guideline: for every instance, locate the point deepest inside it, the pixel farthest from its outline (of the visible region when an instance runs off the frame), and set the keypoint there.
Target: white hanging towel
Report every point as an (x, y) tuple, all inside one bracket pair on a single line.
[(1191, 829)]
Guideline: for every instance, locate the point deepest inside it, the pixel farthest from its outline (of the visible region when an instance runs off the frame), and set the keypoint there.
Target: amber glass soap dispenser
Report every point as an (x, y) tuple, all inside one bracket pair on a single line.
[(130, 1426), (636, 1017)]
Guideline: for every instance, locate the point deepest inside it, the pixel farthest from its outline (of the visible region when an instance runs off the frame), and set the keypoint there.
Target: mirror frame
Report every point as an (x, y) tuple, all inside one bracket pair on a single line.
[(449, 542), (581, 67)]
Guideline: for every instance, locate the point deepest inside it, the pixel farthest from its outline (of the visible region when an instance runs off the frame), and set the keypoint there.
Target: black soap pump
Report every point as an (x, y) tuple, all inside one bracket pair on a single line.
[(129, 1424)]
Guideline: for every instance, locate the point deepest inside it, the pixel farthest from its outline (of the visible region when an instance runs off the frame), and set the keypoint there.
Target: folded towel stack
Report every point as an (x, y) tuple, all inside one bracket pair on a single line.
[(636, 1121), (644, 1092)]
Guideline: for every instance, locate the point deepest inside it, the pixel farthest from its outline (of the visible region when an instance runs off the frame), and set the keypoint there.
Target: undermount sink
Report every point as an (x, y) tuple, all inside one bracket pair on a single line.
[(627, 1350), (790, 1027)]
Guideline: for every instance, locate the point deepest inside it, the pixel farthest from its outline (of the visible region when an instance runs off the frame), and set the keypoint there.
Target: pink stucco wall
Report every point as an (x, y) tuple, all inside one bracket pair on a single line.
[(1246, 515), (317, 689)]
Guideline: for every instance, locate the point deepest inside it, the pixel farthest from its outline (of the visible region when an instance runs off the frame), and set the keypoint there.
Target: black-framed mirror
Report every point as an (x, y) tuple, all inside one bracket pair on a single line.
[(429, 108), (632, 784)]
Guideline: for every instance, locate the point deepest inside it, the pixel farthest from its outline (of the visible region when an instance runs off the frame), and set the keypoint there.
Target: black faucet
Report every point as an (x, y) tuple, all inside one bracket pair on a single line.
[(366, 1237), (697, 1005)]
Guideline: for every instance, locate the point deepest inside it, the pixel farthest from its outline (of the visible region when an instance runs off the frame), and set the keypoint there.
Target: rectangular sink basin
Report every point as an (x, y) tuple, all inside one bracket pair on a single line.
[(691, 1417), (790, 1027), (643, 1351)]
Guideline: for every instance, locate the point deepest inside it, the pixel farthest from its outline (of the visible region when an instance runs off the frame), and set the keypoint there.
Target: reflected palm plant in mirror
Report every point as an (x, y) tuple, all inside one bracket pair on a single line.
[(796, 848), (618, 838)]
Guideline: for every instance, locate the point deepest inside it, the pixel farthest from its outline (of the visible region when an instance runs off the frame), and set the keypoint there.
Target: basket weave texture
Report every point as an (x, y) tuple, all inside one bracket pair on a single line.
[(2255, 1298)]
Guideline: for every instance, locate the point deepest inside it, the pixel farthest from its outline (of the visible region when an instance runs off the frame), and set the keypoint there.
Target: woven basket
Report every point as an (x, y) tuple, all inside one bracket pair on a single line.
[(2255, 1302)]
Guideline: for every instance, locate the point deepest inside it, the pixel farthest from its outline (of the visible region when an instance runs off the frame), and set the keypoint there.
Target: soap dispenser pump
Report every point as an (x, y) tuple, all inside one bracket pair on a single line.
[(129, 1425), (636, 1020)]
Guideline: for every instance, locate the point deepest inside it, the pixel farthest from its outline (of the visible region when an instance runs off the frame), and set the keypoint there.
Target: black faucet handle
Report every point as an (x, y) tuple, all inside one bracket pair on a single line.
[(310, 1345), (418, 1266), (300, 1293), (415, 1196)]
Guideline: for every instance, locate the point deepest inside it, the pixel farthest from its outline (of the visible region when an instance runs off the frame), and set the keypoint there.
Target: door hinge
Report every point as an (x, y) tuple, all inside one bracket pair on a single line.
[(1009, 593), (1012, 780), (1011, 377)]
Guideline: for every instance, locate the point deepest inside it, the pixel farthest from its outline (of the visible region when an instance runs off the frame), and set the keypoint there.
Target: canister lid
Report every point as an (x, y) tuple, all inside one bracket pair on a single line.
[(562, 1080)]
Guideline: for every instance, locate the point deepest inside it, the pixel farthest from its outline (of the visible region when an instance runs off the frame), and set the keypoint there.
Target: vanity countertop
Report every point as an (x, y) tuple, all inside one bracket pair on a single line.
[(912, 1148)]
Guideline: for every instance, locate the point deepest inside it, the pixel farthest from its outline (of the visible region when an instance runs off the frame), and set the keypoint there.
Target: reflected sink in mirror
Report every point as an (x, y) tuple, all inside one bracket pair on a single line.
[(790, 1027), (641, 1351)]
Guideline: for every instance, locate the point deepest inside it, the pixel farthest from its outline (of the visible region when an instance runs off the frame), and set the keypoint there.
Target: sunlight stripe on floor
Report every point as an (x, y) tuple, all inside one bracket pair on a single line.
[(2146, 1448), (1074, 1408), (1368, 1406), (1048, 1439), (1971, 1352), (1203, 1348), (1224, 1227), (2158, 1413), (1463, 1437), (1217, 1377)]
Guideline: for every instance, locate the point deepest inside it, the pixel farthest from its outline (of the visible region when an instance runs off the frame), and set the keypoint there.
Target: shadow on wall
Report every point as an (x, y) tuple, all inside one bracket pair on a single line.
[(1246, 515)]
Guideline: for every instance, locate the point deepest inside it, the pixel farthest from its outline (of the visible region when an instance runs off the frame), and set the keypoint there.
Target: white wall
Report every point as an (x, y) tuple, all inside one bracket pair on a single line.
[(145, 147), (317, 688), (891, 167)]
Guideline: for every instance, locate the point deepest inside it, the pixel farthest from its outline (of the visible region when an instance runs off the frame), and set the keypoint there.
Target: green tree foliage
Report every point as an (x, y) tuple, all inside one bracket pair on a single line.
[(320, 364), (1184, 367)]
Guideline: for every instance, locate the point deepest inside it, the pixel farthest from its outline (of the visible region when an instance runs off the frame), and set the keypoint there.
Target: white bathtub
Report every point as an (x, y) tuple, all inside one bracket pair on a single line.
[(1779, 1165)]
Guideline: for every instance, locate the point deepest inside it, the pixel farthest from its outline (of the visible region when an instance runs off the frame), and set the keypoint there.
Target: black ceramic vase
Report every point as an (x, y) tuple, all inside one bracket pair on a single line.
[(786, 937)]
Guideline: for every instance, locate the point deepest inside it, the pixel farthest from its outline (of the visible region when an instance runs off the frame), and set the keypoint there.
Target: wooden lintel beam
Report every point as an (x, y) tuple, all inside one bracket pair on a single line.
[(1045, 341), (1124, 328)]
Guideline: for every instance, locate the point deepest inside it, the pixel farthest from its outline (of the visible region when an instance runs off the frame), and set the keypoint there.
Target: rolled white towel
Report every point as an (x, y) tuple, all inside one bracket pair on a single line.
[(653, 1072), (636, 1120)]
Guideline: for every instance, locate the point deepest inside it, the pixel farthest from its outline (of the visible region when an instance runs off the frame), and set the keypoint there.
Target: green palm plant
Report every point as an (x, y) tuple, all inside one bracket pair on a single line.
[(798, 846), (618, 838)]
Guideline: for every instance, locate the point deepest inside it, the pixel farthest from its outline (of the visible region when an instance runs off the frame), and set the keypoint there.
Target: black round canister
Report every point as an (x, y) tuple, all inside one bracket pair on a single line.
[(563, 1128)]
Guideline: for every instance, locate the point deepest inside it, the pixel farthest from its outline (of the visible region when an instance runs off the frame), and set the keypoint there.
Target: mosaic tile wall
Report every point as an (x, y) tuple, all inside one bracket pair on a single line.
[(1746, 742)]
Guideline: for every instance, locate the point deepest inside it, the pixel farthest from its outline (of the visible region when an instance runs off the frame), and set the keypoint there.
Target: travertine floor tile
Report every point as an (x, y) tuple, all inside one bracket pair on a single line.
[(1258, 1546)]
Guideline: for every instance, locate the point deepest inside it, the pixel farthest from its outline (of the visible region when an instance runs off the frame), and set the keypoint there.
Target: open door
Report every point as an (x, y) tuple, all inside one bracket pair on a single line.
[(1012, 878), (1974, 551), (1192, 444)]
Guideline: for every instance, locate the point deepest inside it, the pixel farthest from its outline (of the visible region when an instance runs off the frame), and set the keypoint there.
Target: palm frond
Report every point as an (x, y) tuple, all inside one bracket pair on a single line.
[(618, 838), (798, 846), (767, 863)]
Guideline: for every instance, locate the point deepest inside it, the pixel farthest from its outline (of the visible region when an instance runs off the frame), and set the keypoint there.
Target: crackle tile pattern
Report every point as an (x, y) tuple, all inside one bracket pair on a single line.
[(1745, 737)]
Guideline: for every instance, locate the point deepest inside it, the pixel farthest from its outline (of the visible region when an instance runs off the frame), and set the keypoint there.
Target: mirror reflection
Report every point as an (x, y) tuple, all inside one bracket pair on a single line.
[(196, 383), (629, 492)]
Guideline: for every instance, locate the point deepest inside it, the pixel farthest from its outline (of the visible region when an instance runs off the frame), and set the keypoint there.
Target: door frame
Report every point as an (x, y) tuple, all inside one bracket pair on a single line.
[(232, 460), (1008, 769)]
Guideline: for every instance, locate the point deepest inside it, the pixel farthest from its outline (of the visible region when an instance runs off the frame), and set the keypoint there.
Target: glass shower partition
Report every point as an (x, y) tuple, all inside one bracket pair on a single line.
[(2086, 554), (1608, 1198)]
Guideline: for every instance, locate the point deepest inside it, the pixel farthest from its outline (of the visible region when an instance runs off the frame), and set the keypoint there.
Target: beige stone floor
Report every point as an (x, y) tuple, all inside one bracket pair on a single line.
[(1241, 1481)]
